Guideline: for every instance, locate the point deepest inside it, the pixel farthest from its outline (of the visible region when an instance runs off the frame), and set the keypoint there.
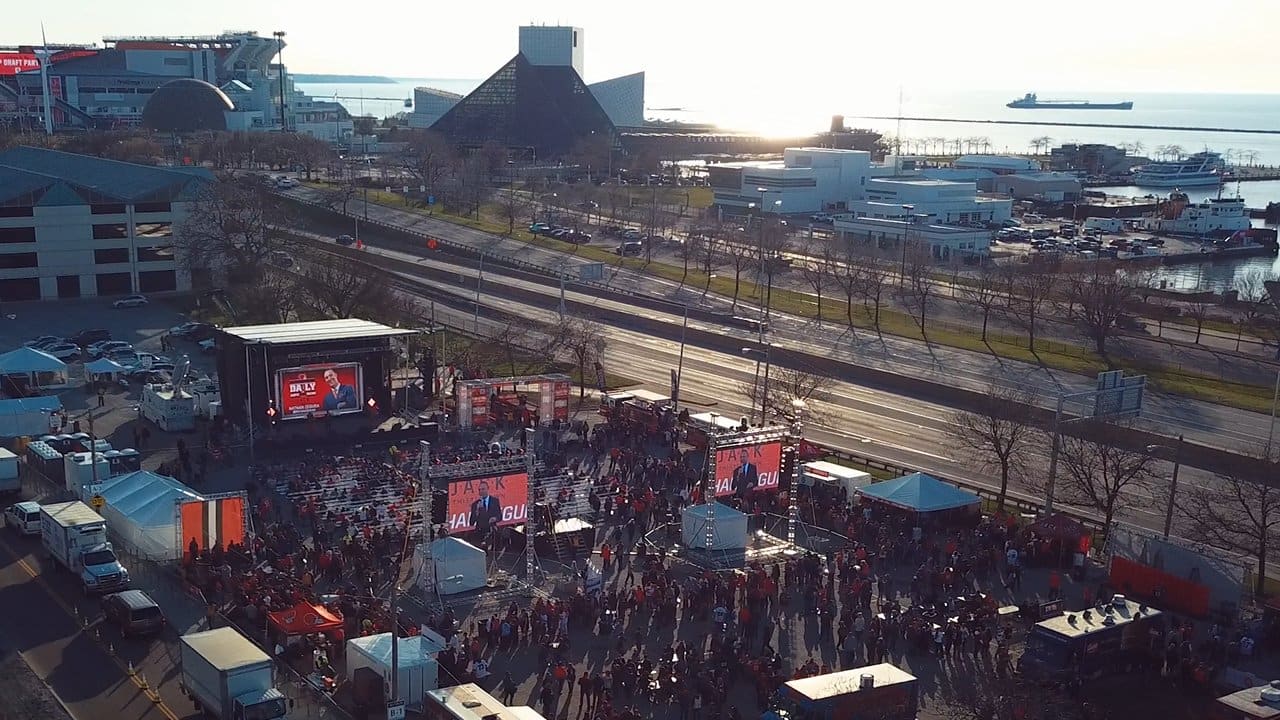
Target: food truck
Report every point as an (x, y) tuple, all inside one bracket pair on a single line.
[(701, 426), (874, 692), (640, 406), (1110, 637)]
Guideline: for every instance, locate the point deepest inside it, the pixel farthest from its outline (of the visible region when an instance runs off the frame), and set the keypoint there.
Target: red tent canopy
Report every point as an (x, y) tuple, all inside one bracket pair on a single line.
[(305, 618)]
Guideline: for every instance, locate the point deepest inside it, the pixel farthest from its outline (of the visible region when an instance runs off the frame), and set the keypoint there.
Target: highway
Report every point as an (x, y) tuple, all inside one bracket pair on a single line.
[(892, 428), (1201, 422), (42, 614)]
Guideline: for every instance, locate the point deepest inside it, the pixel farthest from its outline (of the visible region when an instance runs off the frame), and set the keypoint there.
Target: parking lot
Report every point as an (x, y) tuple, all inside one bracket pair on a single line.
[(141, 326)]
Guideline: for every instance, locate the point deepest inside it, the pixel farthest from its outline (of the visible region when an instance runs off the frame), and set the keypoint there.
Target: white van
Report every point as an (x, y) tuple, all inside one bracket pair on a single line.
[(23, 518), (1032, 218), (821, 472)]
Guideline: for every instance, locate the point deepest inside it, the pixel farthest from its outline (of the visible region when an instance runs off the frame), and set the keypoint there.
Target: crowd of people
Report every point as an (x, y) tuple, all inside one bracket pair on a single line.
[(900, 587)]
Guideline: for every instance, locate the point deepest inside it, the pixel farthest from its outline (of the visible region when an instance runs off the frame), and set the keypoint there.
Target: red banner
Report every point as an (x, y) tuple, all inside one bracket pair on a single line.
[(14, 63), (318, 390), (500, 500), (747, 468)]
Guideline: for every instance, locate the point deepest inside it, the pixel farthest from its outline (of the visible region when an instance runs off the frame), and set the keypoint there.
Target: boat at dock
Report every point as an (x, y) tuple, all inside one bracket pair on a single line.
[(1213, 218), (1197, 170), (1031, 102)]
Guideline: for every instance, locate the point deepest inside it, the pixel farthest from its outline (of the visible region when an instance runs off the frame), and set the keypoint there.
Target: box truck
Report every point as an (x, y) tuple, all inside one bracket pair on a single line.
[(10, 473), (230, 678), (76, 538)]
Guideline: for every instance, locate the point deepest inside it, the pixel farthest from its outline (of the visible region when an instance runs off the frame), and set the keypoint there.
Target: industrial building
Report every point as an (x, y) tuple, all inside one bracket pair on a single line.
[(1045, 186), (1092, 159), (806, 180), (79, 226), (945, 242), (550, 58), (941, 201), (108, 87)]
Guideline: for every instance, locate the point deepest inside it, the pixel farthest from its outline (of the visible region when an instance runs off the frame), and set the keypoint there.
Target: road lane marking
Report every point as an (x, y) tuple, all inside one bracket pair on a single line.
[(71, 612)]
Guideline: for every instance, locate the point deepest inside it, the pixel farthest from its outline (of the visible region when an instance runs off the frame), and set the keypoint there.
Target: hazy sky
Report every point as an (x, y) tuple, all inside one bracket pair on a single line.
[(723, 48)]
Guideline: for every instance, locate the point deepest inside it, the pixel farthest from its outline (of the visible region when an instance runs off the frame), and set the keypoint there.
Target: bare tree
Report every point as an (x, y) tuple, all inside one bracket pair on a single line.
[(1198, 311), (818, 273), (1240, 512), (427, 159), (741, 256), (708, 247), (1101, 476), (587, 342), (786, 385), (999, 432), (1100, 296), (846, 273), (231, 228), (307, 151), (331, 288), (270, 300), (985, 290), (919, 288), (873, 282), (515, 205), (1030, 287)]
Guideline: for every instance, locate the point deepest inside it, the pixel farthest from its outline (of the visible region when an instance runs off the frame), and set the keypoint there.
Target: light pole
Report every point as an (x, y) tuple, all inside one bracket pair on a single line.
[(279, 36), (1271, 430), (760, 355), (909, 215), (479, 279), (1157, 451), (680, 363)]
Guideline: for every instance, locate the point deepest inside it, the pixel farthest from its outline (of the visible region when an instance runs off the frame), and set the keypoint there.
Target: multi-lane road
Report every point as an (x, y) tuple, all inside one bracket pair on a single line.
[(901, 430), (91, 669), (1199, 421)]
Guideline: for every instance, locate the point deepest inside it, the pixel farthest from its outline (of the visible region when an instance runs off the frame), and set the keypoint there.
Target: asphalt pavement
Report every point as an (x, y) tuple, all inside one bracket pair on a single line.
[(1199, 421)]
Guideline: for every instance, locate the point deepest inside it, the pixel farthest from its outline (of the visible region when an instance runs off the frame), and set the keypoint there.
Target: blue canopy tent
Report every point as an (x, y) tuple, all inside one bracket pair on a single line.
[(920, 493)]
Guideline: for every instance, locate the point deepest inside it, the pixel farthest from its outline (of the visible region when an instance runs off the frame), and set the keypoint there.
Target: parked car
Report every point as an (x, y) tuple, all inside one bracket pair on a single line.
[(630, 248), (208, 346), (23, 518), (126, 357), (85, 338), (133, 611), (345, 240), (107, 347), (184, 329), (560, 233), (611, 229), (204, 332), (43, 341), (64, 351), (820, 218), (578, 237), (130, 301), (632, 234)]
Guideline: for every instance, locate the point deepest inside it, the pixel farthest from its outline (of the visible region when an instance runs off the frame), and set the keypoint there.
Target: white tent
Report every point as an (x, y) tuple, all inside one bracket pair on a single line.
[(416, 663), (141, 510), (40, 368), (102, 366), (730, 527), (459, 566), (27, 416)]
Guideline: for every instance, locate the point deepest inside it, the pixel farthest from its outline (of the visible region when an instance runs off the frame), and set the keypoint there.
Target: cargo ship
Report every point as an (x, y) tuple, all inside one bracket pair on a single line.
[(1031, 102)]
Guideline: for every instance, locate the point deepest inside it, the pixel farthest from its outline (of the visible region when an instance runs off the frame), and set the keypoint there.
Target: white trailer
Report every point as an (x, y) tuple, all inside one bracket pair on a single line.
[(230, 678), (76, 538)]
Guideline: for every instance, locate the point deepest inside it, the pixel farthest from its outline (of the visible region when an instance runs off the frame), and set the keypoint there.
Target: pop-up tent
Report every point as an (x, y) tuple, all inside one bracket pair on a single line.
[(730, 527), (415, 663), (38, 368), (141, 508), (104, 368), (27, 416), (303, 619), (919, 493), (459, 566)]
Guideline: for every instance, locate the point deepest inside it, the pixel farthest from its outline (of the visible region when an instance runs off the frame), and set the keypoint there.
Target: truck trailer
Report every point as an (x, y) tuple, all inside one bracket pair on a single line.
[(230, 678), (76, 538), (1113, 636)]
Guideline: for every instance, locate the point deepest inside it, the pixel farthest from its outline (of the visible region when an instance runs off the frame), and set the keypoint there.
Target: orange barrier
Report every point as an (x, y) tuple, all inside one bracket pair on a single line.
[(210, 522), (1166, 591)]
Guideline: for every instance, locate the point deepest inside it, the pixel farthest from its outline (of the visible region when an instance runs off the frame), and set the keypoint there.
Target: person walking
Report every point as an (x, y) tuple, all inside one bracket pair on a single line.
[(508, 689)]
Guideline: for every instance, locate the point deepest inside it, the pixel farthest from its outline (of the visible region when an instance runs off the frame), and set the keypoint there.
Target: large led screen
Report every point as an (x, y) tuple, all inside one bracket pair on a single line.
[(328, 389), (747, 468), (488, 502)]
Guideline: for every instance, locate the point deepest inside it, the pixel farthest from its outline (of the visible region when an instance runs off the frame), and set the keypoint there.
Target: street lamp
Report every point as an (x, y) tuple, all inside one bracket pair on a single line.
[(760, 355), (1176, 453), (909, 214)]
